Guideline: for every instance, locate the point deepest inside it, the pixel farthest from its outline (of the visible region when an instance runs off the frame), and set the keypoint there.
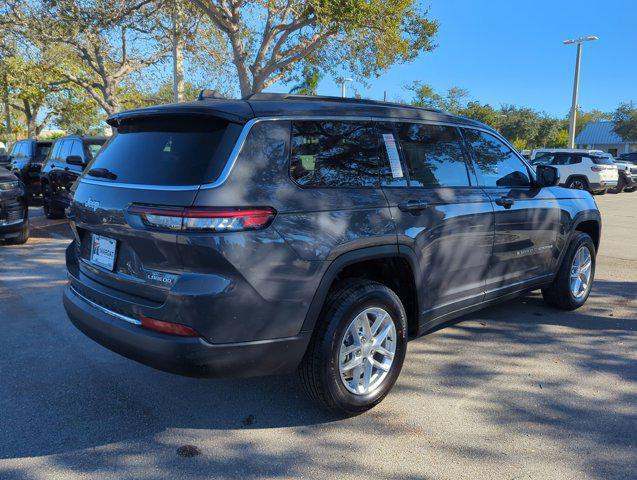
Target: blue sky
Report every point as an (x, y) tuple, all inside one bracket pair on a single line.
[(511, 52)]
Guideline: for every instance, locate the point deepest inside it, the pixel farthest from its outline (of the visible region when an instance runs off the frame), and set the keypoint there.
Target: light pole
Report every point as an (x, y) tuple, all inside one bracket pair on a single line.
[(573, 116), (343, 82)]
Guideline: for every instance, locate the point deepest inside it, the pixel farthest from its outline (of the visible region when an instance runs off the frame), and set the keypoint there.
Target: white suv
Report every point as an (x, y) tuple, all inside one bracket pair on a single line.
[(538, 152), (595, 172)]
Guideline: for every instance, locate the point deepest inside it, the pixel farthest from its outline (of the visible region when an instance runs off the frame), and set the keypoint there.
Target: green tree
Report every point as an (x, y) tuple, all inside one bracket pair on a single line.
[(483, 113), (625, 118), (76, 112), (271, 40), (453, 101), (32, 86), (519, 124), (105, 42), (311, 78)]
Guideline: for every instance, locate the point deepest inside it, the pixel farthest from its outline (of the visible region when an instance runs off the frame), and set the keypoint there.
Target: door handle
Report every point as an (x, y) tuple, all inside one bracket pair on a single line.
[(505, 202), (412, 206)]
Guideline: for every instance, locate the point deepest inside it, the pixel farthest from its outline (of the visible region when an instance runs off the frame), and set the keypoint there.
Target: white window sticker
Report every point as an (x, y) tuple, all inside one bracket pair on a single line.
[(392, 155)]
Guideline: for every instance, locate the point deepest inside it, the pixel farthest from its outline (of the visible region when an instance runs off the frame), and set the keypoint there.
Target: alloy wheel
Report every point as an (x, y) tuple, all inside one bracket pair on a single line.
[(581, 270), (367, 351)]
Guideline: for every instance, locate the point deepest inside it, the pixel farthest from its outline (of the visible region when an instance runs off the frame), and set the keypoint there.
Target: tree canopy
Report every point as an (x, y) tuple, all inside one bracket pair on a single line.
[(271, 39), (625, 118)]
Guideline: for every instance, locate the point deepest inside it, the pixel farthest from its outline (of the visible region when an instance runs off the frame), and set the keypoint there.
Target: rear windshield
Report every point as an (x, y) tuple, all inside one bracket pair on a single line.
[(164, 151), (602, 160)]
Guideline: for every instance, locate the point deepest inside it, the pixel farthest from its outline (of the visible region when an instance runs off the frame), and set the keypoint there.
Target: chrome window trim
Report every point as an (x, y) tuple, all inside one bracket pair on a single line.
[(105, 310), (238, 147)]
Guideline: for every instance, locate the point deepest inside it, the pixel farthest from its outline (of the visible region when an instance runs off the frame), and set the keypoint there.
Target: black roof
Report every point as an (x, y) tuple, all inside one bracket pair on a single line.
[(281, 104)]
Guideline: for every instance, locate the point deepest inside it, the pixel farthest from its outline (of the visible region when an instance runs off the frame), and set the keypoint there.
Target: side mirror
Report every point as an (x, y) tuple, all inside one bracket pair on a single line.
[(547, 176), (75, 160)]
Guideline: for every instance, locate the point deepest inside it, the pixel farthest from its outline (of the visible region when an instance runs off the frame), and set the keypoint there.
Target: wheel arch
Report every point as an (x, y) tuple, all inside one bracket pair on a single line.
[(577, 177), (398, 271)]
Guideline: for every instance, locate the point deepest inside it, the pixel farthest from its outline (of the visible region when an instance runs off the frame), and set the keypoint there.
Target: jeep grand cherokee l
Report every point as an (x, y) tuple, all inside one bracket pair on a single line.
[(26, 160), (66, 160), (280, 233)]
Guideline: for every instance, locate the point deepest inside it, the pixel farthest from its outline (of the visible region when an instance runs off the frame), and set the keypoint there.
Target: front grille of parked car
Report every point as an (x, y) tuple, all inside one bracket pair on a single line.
[(11, 214)]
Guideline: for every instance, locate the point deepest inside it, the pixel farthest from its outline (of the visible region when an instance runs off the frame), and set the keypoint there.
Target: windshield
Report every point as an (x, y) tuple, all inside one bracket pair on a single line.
[(163, 151)]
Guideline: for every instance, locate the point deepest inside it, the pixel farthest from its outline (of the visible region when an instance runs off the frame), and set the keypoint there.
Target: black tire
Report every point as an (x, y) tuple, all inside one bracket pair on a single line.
[(49, 211), (24, 235), (319, 369), (559, 294), (577, 183), (621, 183)]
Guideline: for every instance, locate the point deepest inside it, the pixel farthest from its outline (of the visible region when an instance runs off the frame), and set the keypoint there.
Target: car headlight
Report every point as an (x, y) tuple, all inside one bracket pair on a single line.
[(9, 185)]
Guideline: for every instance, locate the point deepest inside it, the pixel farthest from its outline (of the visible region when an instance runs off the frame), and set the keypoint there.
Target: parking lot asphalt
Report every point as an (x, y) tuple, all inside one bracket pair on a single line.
[(516, 391)]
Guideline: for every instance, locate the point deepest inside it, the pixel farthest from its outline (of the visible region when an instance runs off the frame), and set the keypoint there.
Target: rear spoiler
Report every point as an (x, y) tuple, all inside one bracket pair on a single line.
[(235, 111)]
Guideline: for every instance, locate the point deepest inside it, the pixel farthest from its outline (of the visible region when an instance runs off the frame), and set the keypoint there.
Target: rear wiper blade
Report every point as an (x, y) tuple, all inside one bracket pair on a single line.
[(101, 173)]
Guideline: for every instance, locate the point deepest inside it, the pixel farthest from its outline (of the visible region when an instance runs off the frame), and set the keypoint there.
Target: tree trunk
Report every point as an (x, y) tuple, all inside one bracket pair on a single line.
[(239, 59), (31, 120), (178, 53), (7, 108)]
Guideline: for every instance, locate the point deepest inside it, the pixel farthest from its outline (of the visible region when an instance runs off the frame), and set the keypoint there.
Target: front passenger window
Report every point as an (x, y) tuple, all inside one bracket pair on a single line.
[(496, 164)]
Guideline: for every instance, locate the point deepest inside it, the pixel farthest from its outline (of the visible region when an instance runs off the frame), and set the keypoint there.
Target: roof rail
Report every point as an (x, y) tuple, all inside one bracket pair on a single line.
[(325, 98), (206, 94)]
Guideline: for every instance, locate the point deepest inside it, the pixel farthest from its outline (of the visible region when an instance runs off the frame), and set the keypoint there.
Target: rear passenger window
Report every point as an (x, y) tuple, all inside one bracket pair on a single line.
[(496, 164), (433, 155), (334, 154)]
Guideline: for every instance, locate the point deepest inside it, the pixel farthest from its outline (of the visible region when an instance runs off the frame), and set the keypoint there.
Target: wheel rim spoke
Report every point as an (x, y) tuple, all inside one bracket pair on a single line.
[(367, 351), (581, 271)]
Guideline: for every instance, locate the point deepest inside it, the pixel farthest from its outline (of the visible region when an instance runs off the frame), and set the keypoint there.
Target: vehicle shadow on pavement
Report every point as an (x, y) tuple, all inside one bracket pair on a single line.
[(96, 412), (564, 406)]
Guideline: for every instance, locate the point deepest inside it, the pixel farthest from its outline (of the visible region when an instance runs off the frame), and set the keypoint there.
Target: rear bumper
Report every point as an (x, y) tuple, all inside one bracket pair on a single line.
[(184, 355), (602, 185)]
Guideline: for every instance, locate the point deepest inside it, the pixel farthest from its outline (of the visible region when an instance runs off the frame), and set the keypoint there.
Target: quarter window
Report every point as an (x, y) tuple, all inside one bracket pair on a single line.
[(334, 154), (433, 155), (496, 164)]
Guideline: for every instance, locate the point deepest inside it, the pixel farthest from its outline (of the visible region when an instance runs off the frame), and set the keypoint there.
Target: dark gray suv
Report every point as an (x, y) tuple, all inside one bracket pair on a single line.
[(280, 233)]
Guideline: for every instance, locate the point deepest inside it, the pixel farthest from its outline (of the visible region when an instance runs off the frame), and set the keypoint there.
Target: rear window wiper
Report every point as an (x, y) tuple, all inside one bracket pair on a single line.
[(101, 173)]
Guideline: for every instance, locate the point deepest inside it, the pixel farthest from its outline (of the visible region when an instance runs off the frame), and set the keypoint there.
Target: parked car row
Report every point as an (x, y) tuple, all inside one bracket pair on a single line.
[(592, 170), (48, 168)]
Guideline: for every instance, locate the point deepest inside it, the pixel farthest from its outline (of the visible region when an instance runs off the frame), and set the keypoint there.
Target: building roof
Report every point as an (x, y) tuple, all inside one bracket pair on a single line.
[(274, 105), (598, 133)]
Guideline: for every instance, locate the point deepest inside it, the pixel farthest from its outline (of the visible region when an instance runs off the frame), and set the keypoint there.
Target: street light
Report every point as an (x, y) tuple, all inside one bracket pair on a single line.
[(343, 81), (572, 120)]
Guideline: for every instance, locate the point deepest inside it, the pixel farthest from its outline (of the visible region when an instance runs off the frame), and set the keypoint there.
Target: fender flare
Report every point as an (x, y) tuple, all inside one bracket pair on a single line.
[(583, 216), (350, 258)]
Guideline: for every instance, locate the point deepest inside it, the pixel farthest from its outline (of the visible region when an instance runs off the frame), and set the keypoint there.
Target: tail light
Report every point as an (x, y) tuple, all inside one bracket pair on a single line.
[(169, 328), (204, 219), (598, 168)]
